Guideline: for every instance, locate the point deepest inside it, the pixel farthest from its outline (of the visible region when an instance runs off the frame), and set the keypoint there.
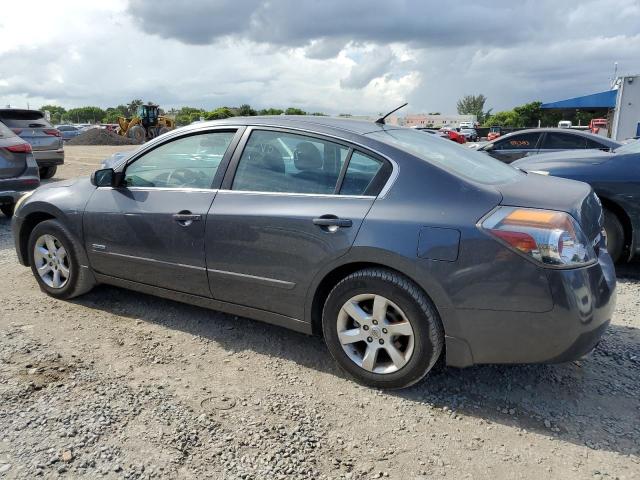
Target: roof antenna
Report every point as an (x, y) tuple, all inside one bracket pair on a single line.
[(381, 119)]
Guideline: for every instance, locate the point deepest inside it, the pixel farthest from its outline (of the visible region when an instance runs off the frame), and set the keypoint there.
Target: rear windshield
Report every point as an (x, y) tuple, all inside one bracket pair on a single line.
[(23, 119), (5, 131), (445, 154), (631, 147)]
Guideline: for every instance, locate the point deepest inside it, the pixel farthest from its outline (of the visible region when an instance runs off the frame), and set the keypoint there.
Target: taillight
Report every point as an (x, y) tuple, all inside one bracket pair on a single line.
[(17, 130), (52, 131), (546, 236), (19, 148)]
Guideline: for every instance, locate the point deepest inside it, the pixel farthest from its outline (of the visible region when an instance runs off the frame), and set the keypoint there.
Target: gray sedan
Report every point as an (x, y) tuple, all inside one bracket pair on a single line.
[(524, 143), (398, 248)]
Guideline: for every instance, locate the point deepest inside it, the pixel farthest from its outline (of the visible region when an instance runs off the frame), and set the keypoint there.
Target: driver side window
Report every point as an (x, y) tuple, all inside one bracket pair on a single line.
[(187, 162)]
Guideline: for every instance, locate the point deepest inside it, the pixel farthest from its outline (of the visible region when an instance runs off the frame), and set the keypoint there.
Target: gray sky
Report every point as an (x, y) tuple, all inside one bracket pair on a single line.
[(336, 56)]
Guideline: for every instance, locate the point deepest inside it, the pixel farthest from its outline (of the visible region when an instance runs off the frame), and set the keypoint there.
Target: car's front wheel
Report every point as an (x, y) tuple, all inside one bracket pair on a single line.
[(382, 329), (53, 256)]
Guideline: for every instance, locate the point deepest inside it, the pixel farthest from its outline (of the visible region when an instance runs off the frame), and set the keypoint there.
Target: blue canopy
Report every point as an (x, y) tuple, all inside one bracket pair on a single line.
[(596, 100)]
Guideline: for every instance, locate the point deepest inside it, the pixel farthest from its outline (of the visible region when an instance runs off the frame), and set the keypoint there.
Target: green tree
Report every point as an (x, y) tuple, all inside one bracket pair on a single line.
[(508, 118), (57, 112), (132, 107), (319, 114), (112, 113), (245, 110), (529, 113), (473, 105), (85, 115), (294, 111), (186, 115), (218, 113), (271, 111)]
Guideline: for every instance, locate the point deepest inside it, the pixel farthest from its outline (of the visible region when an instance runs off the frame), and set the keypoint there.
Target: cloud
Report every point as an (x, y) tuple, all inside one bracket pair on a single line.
[(357, 56)]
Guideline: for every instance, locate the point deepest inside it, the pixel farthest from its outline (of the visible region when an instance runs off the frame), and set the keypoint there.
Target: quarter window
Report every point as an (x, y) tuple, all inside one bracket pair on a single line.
[(285, 162), (187, 162), (361, 172)]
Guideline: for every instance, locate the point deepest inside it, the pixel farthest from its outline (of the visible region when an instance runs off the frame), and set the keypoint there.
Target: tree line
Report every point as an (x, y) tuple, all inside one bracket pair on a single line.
[(527, 115), (182, 116)]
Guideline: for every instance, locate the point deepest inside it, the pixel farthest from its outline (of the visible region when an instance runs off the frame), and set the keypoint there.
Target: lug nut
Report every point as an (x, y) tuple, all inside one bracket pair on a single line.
[(381, 341), (375, 322), (384, 330), (369, 339), (365, 327)]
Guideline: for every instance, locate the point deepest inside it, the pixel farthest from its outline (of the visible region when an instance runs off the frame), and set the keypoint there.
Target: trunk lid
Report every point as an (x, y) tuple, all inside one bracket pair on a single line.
[(552, 193)]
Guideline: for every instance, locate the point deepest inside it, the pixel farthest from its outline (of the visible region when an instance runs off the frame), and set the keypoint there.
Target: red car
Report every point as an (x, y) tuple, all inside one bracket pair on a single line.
[(454, 135)]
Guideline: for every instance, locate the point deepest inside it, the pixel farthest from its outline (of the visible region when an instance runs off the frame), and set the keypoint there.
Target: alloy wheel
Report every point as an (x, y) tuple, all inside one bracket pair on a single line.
[(375, 333), (51, 261)]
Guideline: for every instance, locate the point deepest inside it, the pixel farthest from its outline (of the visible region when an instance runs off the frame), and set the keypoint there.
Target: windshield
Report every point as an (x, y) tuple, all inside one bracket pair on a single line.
[(450, 156), (631, 147), (24, 119)]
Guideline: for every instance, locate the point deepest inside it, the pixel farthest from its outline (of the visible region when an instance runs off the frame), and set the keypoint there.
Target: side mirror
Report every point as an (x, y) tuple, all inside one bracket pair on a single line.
[(103, 178)]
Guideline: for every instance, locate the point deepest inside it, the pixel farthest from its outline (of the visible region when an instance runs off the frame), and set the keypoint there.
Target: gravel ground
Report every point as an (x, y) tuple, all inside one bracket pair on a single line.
[(122, 385), (100, 136)]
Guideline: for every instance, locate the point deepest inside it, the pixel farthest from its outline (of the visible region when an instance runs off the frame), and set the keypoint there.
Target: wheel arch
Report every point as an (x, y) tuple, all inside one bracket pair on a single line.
[(334, 275), (28, 224), (625, 220)]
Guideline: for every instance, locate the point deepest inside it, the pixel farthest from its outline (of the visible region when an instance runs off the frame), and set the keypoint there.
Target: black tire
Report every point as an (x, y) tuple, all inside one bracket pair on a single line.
[(80, 279), (422, 315), (7, 209), (48, 172), (137, 133), (615, 235), (163, 130)]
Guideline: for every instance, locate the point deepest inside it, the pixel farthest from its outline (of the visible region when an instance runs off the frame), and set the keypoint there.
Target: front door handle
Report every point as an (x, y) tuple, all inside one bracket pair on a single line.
[(186, 218), (332, 221)]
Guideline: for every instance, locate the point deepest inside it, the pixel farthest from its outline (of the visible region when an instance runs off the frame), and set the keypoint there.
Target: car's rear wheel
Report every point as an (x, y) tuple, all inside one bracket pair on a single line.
[(382, 329), (7, 209), (53, 256), (615, 235), (48, 172)]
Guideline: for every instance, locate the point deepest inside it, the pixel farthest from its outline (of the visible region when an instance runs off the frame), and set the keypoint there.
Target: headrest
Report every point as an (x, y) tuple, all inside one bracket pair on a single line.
[(307, 157)]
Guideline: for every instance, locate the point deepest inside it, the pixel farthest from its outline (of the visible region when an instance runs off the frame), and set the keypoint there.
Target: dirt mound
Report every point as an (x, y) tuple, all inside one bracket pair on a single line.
[(99, 136)]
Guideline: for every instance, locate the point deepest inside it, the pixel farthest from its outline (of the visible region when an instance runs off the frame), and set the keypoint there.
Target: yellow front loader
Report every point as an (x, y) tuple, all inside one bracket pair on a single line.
[(147, 124)]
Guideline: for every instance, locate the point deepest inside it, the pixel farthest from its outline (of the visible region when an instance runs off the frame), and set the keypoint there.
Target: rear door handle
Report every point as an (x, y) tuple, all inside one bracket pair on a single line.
[(186, 218), (327, 221)]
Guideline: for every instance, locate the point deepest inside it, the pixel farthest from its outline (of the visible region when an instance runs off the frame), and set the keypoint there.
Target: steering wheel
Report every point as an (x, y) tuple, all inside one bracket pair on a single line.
[(182, 177)]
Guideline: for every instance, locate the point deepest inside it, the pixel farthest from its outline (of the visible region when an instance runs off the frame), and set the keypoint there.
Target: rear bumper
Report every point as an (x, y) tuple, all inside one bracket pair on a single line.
[(584, 300), (49, 158), (11, 189)]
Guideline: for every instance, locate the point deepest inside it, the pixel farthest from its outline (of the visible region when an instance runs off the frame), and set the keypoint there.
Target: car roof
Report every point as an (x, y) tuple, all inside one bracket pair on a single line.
[(305, 122), (581, 133)]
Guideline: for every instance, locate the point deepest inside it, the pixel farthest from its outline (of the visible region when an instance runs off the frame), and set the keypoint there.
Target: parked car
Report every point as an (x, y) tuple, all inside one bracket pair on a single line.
[(470, 134), (18, 169), (454, 135), (464, 125), (45, 140), (544, 140), (615, 177), (68, 131), (354, 230)]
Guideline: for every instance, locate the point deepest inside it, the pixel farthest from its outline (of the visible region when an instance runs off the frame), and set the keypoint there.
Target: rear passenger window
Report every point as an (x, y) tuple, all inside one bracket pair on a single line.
[(360, 176), (289, 163), (563, 141), (526, 141)]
